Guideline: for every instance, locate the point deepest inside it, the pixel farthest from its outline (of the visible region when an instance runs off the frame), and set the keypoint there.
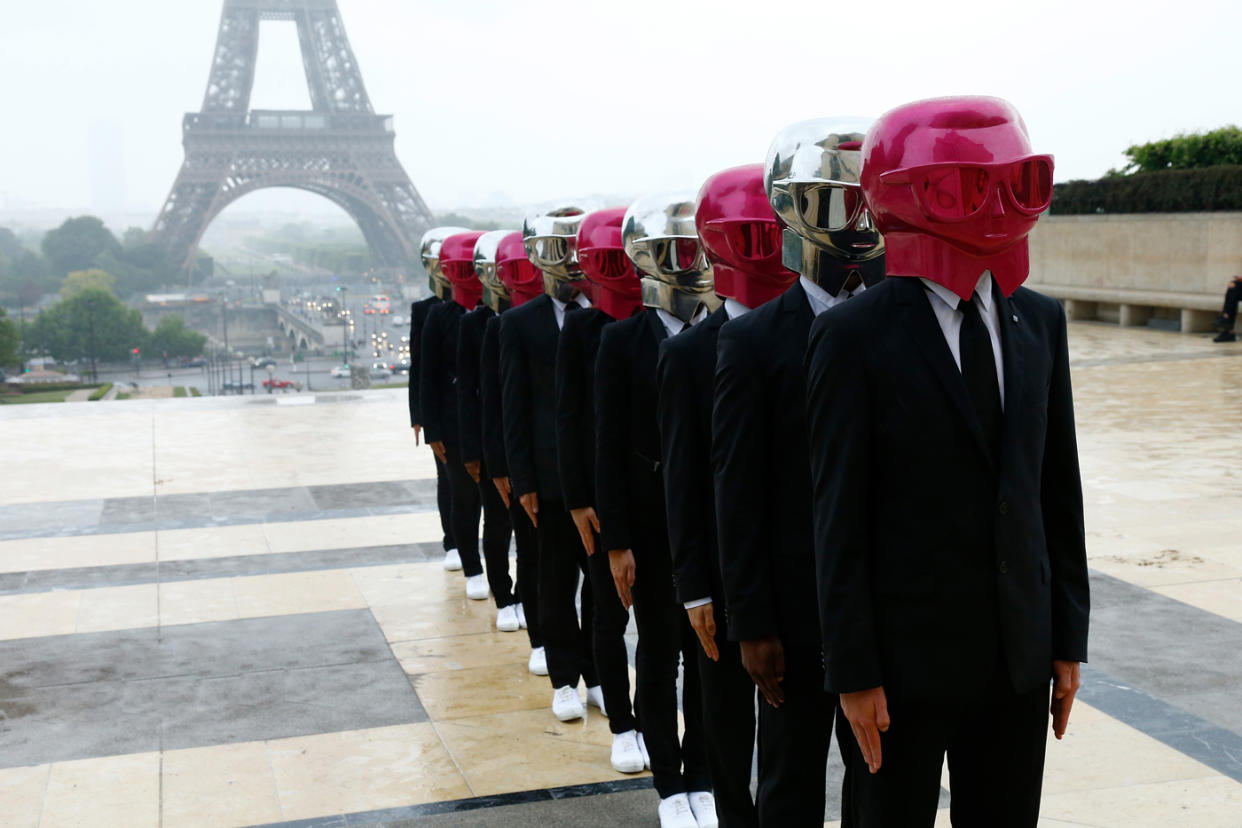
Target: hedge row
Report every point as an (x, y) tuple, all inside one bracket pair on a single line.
[(100, 392), (1168, 191)]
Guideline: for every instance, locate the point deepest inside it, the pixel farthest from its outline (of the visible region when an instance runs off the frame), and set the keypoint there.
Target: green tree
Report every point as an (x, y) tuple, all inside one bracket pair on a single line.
[(1185, 151), (9, 340), (65, 329), (80, 280), (77, 244), (172, 338), (21, 268)]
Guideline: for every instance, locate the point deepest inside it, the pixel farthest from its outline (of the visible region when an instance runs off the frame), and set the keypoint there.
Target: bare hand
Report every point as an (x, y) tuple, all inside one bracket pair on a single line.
[(418, 432), (472, 469), (764, 659), (703, 619), (502, 486), (867, 711), (623, 573), (1064, 688), (588, 525), (437, 446), (530, 502)]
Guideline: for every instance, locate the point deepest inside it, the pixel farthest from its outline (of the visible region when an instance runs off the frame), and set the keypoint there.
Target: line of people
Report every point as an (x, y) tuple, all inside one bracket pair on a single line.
[(863, 515)]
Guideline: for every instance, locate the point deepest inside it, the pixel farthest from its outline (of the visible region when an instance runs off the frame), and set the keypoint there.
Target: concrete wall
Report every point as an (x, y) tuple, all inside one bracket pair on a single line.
[(1132, 269), (249, 327)]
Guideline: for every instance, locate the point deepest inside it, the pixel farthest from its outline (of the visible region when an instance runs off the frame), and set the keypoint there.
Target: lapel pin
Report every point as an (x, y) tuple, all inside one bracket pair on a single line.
[(1015, 317)]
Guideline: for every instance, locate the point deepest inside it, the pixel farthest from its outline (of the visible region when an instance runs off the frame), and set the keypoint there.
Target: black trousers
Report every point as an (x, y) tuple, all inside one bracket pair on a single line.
[(567, 641), (665, 637), (1232, 296), (466, 510), (995, 747), (444, 502), (612, 661), (793, 743), (729, 726), (497, 533), (527, 588)]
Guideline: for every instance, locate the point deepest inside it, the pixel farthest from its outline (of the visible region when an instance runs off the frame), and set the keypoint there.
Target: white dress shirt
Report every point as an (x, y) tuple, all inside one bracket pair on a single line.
[(821, 300), (735, 308), (559, 307), (944, 305), (674, 325)]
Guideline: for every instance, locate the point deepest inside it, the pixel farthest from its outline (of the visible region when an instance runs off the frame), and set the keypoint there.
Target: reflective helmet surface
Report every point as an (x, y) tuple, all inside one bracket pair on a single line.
[(457, 265), (429, 253), (741, 236), (601, 254), (955, 187), (660, 238), (551, 241), (516, 271), (495, 294)]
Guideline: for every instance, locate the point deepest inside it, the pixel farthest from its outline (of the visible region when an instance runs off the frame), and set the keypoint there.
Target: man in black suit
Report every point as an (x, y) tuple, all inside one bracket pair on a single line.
[(763, 477), (732, 210), (438, 400), (949, 539), (659, 236), (528, 341)]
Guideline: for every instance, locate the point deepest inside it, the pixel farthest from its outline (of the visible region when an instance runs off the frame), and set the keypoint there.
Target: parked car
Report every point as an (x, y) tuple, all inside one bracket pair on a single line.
[(401, 367), (340, 371), (262, 362), (197, 362), (230, 385), (276, 383), (381, 370)]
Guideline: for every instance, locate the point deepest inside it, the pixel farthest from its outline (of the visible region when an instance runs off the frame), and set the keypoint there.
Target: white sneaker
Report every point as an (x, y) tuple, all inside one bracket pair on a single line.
[(476, 588), (452, 560), (626, 757), (538, 664), (507, 619), (521, 614), (566, 705), (642, 748), (703, 806), (595, 696), (675, 812)]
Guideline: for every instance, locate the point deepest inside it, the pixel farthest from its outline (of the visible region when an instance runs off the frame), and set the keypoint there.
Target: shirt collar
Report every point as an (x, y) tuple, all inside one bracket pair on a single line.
[(674, 325), (820, 299), (581, 299), (983, 288), (734, 308)]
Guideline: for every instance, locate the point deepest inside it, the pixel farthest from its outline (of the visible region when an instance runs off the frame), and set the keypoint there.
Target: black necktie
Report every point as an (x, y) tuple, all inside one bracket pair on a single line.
[(685, 326), (979, 371)]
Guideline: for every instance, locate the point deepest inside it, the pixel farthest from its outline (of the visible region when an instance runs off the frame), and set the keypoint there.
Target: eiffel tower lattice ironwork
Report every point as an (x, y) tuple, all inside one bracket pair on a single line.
[(340, 149)]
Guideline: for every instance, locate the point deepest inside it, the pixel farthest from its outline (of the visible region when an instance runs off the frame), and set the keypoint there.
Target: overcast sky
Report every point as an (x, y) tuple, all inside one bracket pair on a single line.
[(520, 102)]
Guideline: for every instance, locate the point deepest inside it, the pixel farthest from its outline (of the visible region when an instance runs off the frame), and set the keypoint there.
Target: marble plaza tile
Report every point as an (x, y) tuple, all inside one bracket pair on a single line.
[(118, 608), (21, 795), (37, 554), (419, 619), (337, 533), (1149, 563), (195, 602), (363, 770), (296, 592), (480, 691), (433, 655), (1222, 597), (121, 791), (233, 785), (1206, 802), (38, 614), (408, 583), (529, 750), (212, 542)]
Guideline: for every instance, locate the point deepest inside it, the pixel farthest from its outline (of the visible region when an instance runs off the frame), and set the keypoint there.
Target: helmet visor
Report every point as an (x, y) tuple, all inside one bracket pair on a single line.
[(953, 192), (827, 206), (673, 255), (548, 251), (605, 263)]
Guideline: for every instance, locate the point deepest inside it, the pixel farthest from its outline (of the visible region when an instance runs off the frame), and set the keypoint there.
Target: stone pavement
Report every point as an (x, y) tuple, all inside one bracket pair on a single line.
[(231, 612)]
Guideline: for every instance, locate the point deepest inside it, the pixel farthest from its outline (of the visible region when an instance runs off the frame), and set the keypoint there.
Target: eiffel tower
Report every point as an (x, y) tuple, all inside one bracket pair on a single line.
[(340, 149)]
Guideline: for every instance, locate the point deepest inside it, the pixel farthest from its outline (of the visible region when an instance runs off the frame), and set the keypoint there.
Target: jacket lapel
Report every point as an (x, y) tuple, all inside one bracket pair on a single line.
[(656, 326), (1012, 345), (921, 326)]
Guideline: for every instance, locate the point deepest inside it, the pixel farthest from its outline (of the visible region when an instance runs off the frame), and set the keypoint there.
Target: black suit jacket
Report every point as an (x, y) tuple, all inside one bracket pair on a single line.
[(762, 475), (469, 382), (528, 337), (686, 381), (934, 556), (575, 404), (437, 393), (418, 317), (490, 392), (629, 491)]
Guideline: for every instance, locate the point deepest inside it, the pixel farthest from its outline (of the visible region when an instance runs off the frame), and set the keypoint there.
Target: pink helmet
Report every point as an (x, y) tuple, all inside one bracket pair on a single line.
[(515, 271), (742, 236), (616, 288), (457, 263), (955, 189)]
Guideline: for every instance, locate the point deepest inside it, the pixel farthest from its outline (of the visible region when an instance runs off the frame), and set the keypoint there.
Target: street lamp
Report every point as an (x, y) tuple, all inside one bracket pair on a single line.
[(345, 333)]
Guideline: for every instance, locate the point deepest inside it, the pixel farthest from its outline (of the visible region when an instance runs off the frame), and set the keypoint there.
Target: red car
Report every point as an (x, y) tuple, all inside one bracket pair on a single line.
[(282, 384)]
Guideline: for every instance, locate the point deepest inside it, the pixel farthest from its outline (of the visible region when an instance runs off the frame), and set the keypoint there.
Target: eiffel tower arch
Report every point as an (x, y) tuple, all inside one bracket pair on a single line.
[(339, 149)]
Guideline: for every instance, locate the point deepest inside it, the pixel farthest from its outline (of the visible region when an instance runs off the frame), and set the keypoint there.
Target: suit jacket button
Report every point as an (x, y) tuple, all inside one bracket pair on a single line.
[(1003, 566), (1003, 507)]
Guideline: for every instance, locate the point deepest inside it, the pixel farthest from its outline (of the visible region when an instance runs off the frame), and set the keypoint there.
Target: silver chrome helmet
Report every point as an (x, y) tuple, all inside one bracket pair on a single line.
[(812, 179), (495, 294), (429, 252), (551, 241), (660, 238)]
